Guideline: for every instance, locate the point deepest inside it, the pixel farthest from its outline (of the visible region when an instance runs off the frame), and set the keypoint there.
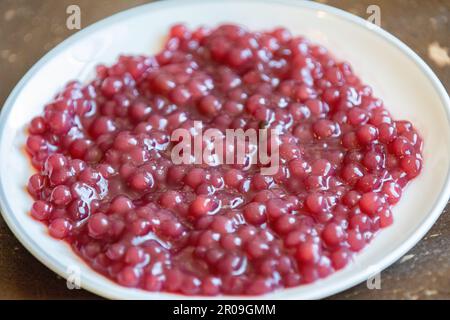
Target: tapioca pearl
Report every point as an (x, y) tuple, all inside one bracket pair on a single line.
[(121, 204), (92, 250), (41, 210), (321, 167), (195, 177), (124, 141), (315, 202), (285, 224), (256, 248), (296, 236), (303, 93), (335, 76), (259, 286), (176, 174), (59, 122), (171, 228), (308, 252), (179, 31), (98, 225), (79, 147), (414, 138), (122, 105), (136, 155), (202, 205), (157, 122), (219, 46), (324, 267), (211, 285), (230, 242), (175, 120), (353, 156), (412, 165), (292, 279), (340, 258), (141, 227), (116, 251), (233, 178), (255, 213), (368, 182), (170, 199), (111, 86), (403, 126), (90, 176), (102, 125), (191, 285), (276, 207), (142, 181), (134, 255), (37, 126), (386, 217), (333, 234), (94, 154), (324, 128), (299, 111), (238, 94), (36, 184), (282, 34), (230, 264), (233, 107), (380, 116), (387, 133), (350, 140), (153, 283), (371, 202), (360, 222), (392, 191), (36, 143), (59, 228), (108, 108), (205, 189), (289, 151), (356, 240), (60, 176), (373, 160), (222, 225), (331, 95), (255, 102), (180, 95), (212, 255), (357, 116), (247, 232), (129, 276), (366, 134), (263, 196), (127, 170), (61, 195), (79, 209), (299, 168), (351, 198), (261, 182)]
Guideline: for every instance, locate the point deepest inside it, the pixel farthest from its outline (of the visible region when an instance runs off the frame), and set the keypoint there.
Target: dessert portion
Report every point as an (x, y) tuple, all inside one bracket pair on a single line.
[(106, 182)]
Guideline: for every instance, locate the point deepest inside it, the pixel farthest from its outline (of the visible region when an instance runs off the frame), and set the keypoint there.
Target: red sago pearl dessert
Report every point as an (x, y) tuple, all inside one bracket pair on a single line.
[(105, 182)]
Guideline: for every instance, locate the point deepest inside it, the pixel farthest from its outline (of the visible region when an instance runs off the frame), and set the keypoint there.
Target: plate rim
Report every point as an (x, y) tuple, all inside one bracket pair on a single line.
[(412, 239)]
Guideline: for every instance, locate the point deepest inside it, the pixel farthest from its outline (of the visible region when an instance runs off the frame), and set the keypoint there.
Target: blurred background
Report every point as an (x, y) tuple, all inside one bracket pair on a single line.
[(30, 28)]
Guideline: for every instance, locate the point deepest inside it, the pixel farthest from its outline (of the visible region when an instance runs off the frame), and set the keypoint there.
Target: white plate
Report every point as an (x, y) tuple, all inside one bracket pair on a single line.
[(406, 84)]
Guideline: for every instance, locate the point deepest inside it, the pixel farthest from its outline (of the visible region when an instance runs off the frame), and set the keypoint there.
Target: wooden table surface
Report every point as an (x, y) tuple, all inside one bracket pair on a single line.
[(30, 28)]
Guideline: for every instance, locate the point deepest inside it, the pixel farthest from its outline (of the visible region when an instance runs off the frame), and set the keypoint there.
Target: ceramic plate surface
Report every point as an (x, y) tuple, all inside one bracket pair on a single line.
[(408, 87)]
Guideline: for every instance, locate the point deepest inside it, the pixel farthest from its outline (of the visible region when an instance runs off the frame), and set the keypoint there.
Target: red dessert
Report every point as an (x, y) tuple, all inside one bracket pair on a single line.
[(107, 185)]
